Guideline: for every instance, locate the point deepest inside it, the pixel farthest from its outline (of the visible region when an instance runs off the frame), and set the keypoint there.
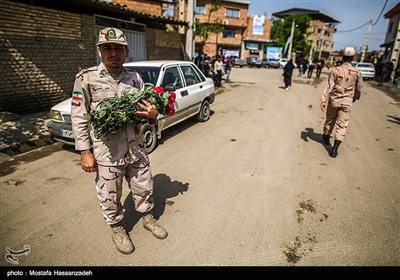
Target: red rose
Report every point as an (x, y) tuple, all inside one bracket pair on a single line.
[(171, 97), (170, 106), (159, 90), (170, 112)]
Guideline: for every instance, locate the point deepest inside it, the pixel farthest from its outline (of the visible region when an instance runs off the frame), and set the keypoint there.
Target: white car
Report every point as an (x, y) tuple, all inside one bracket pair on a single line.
[(194, 94), (367, 70), (283, 61)]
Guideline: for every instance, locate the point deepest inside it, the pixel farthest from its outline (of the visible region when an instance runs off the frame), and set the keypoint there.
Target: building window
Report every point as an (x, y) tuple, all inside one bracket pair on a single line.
[(232, 13), (251, 46), (200, 10), (229, 33), (390, 27)]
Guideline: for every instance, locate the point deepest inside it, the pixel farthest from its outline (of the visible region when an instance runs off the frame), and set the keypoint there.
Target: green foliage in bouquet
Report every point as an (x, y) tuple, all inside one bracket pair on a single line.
[(115, 113)]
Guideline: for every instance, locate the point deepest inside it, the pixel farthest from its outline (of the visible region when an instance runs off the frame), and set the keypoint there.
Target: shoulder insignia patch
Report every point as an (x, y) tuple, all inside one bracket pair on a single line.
[(103, 73), (85, 70)]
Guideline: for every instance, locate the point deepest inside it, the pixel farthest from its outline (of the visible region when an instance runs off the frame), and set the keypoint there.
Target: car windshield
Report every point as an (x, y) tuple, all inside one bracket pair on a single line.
[(149, 74)]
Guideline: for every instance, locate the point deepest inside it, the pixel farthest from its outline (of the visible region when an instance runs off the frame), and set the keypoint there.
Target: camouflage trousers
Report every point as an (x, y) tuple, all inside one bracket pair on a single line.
[(337, 116), (109, 181)]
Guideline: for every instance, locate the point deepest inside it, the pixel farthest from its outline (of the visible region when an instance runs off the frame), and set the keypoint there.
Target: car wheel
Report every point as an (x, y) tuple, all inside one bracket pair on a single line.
[(150, 137), (204, 113)]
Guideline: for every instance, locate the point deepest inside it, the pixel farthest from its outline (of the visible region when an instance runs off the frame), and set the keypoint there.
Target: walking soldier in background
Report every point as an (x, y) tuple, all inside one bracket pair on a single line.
[(342, 89)]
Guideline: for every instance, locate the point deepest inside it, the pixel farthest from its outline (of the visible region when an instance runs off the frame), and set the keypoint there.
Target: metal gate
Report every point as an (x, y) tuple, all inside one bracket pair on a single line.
[(135, 34)]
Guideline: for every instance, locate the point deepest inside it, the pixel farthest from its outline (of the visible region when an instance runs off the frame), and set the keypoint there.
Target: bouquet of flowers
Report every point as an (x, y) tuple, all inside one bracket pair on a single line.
[(115, 113)]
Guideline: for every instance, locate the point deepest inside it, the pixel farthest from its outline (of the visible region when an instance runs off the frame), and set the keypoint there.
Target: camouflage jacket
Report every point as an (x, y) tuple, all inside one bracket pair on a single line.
[(343, 85), (91, 86)]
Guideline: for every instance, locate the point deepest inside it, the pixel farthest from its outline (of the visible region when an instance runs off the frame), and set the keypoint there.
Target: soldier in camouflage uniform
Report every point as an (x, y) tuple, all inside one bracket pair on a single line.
[(342, 89), (115, 155)]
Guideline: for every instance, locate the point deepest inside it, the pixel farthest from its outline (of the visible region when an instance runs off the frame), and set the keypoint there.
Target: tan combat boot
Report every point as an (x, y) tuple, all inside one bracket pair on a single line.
[(150, 224), (121, 239)]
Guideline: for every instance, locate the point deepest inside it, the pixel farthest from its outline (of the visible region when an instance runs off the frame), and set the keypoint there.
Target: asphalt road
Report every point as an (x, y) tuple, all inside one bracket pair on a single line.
[(253, 186)]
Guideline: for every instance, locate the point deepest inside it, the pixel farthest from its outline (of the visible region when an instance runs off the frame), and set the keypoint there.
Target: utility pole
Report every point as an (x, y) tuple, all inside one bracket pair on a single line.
[(321, 40), (291, 41), (190, 33), (312, 44), (366, 42), (181, 15)]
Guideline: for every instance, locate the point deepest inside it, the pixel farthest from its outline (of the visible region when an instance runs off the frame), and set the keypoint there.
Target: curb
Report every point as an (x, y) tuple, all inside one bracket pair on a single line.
[(19, 148)]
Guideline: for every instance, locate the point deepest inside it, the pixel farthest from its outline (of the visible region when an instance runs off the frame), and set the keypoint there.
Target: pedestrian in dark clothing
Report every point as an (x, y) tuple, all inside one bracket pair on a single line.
[(207, 69), (305, 66), (310, 69), (396, 77), (390, 67), (384, 70), (320, 65), (227, 68), (287, 74)]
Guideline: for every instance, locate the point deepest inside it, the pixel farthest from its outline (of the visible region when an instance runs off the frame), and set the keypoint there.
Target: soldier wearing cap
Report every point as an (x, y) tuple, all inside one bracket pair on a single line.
[(342, 89), (115, 155)]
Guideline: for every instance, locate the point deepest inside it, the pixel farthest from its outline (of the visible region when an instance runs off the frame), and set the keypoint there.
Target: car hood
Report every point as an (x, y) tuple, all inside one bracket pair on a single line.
[(64, 106)]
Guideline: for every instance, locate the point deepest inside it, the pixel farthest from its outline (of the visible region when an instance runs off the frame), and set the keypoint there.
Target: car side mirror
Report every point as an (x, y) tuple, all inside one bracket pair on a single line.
[(169, 88)]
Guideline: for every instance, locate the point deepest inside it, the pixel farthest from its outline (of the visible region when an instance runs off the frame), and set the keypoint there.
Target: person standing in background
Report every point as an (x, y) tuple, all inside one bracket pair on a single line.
[(396, 77), (383, 72), (218, 70), (228, 68)]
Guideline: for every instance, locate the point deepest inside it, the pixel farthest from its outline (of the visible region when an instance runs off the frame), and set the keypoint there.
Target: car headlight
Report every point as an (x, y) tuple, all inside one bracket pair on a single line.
[(55, 115)]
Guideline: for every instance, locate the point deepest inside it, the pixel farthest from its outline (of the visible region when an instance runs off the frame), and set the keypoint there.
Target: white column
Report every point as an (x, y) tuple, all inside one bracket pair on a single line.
[(366, 42), (189, 33), (291, 41), (321, 40), (181, 15)]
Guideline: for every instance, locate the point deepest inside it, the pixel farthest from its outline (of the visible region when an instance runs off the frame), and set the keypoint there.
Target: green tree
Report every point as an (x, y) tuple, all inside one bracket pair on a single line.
[(205, 29), (281, 29)]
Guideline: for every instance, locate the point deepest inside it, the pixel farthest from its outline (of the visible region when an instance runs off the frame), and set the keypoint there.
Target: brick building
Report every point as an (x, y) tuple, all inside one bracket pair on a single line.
[(234, 15), (238, 37), (44, 43), (392, 37), (257, 36)]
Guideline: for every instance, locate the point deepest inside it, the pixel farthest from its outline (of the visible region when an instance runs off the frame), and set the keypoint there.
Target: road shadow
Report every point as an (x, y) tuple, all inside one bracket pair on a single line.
[(164, 190), (394, 119), (316, 137)]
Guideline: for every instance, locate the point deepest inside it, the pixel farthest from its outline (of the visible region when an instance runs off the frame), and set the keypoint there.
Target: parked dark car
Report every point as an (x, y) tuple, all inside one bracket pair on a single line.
[(256, 62), (272, 63), (239, 62)]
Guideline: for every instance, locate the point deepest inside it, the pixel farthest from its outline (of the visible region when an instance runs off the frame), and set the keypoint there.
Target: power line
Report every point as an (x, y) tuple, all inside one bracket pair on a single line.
[(380, 14), (366, 22), (354, 28)]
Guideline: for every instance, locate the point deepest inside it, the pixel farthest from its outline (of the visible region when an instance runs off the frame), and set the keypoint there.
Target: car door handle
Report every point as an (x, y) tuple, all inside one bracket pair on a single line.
[(184, 93)]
